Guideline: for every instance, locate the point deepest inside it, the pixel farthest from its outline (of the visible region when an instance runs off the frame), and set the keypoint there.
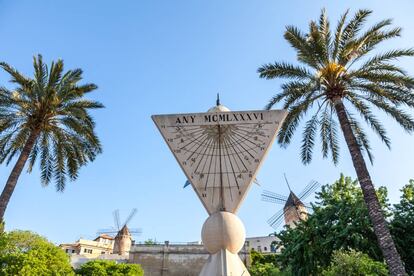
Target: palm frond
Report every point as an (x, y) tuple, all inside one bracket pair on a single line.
[(296, 91), (361, 137), (351, 29), (298, 41), (338, 36), (388, 56), (283, 70), (370, 118), (404, 119), (325, 31), (16, 76), (308, 140), (55, 73), (291, 121)]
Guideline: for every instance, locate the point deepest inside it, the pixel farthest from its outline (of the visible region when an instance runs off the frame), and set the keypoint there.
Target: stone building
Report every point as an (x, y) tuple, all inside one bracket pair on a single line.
[(103, 244), (265, 244)]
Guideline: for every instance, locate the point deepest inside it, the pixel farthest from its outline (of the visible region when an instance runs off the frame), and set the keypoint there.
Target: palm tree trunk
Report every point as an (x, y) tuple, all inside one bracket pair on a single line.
[(381, 230), (15, 173)]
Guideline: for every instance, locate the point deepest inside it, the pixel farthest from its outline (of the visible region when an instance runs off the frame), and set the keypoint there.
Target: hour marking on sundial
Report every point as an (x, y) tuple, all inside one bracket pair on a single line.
[(220, 152)]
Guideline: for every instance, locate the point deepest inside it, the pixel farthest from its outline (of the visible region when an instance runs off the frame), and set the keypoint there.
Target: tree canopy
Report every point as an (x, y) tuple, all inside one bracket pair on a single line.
[(26, 253), (339, 221)]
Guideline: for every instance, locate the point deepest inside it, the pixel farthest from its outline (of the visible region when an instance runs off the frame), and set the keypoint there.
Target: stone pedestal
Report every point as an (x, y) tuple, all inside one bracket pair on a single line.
[(224, 263), (220, 152), (223, 237)]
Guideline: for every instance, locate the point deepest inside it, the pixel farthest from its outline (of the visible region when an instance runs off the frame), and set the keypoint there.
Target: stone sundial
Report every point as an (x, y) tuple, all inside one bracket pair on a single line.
[(220, 153)]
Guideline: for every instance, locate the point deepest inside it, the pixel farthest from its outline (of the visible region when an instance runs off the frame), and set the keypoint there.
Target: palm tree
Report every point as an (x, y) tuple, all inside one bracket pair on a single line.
[(46, 118), (339, 77)]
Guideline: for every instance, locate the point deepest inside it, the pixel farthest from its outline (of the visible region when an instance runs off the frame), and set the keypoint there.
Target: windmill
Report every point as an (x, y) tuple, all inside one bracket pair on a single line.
[(123, 234), (294, 209)]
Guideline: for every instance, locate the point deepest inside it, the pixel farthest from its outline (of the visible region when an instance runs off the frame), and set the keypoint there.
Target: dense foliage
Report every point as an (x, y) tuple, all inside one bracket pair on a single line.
[(109, 268), (340, 221), (265, 264), (26, 253), (354, 263), (266, 269), (402, 226)]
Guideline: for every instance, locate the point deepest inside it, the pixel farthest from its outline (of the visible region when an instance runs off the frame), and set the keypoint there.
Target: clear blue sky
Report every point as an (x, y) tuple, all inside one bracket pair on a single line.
[(152, 57)]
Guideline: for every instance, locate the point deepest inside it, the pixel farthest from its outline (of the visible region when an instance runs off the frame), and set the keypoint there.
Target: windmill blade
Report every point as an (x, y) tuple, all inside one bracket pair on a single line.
[(116, 219), (309, 189), (276, 219), (106, 231), (131, 215), (136, 231), (287, 182), (273, 197)]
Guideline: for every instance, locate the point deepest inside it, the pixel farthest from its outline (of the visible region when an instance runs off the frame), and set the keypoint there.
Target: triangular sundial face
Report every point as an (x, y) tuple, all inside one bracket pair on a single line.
[(220, 152)]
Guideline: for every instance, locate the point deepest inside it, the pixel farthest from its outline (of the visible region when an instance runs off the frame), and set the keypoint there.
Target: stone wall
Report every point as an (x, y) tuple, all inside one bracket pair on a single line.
[(77, 260), (173, 259)]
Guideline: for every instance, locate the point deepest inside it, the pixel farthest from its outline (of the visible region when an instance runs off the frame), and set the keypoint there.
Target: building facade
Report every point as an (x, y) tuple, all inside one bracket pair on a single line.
[(103, 244), (264, 244)]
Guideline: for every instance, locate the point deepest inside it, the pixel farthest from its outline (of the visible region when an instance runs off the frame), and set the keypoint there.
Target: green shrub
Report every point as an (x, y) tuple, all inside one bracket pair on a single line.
[(109, 268), (354, 263)]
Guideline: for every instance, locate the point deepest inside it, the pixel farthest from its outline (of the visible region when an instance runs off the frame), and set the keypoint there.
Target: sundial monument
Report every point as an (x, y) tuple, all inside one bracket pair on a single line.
[(220, 153)]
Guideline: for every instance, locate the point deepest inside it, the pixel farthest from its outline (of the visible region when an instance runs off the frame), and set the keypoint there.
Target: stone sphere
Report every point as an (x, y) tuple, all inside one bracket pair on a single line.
[(218, 108), (223, 230)]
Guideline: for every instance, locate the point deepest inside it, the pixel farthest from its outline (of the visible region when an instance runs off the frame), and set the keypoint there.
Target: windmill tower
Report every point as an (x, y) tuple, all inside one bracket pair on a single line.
[(123, 234), (294, 210)]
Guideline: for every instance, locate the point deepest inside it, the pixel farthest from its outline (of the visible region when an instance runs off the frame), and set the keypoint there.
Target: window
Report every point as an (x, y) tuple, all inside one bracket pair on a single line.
[(73, 250), (67, 250), (85, 250), (103, 252), (265, 248)]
